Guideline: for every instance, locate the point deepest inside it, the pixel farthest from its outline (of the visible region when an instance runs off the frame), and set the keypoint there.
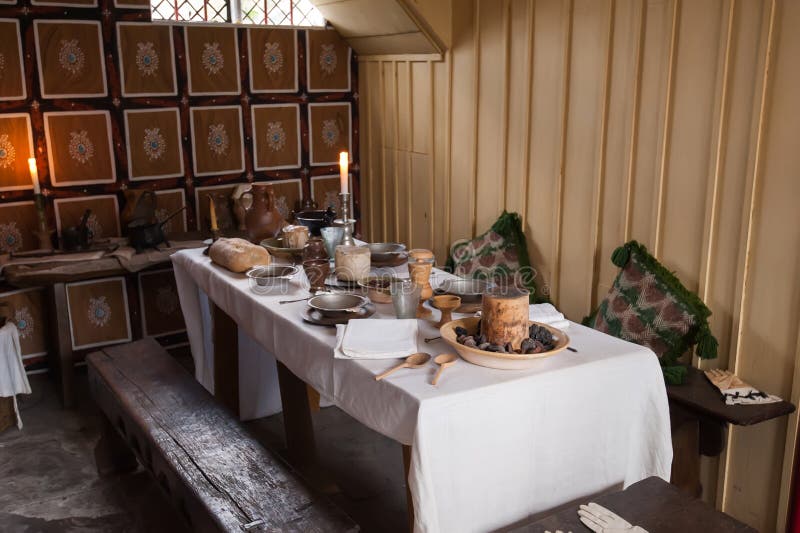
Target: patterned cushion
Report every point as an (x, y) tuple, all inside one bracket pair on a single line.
[(500, 255), (648, 305)]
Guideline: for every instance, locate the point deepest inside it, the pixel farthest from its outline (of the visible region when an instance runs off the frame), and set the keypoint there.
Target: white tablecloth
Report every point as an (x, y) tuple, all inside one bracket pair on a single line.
[(13, 379), (490, 447)]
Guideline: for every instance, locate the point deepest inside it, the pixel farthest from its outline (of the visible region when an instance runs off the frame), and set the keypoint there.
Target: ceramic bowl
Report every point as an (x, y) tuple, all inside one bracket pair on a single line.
[(277, 246), (270, 278), (336, 305), (503, 361), (384, 252), (469, 290), (378, 288)]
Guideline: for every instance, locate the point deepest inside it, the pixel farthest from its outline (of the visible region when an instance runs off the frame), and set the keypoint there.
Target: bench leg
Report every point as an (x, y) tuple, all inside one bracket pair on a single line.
[(112, 454)]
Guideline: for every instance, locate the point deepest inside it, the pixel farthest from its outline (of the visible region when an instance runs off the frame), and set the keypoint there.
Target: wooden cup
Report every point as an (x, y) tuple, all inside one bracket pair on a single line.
[(505, 316)]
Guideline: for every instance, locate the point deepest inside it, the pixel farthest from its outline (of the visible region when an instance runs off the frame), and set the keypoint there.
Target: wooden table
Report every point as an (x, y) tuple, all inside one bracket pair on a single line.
[(653, 504), (699, 419)]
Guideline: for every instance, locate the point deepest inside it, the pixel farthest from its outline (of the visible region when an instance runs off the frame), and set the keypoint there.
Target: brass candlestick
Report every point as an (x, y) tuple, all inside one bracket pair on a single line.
[(345, 221)]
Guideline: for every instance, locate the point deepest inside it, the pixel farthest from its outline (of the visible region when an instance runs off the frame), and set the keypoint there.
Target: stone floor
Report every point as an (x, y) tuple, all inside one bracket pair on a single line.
[(49, 482)]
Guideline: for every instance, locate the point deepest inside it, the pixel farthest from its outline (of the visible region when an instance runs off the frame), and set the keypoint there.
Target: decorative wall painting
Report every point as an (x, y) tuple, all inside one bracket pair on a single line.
[(70, 58)]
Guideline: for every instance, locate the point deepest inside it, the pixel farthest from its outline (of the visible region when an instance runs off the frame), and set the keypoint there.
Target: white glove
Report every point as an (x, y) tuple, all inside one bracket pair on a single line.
[(601, 520), (735, 391)]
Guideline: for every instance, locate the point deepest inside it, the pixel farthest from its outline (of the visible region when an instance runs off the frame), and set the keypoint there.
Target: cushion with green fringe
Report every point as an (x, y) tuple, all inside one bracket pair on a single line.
[(499, 255), (648, 305)]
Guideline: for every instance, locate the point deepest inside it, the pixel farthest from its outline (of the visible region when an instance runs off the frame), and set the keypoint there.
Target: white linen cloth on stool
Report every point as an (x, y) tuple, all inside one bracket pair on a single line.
[(13, 379), (490, 447)]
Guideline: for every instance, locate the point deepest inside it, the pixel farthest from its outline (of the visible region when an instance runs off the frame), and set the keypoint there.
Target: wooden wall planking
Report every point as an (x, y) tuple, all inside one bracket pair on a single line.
[(670, 121)]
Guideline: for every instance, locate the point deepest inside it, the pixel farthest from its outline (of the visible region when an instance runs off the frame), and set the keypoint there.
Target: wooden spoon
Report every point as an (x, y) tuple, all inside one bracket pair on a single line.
[(416, 360), (443, 360)]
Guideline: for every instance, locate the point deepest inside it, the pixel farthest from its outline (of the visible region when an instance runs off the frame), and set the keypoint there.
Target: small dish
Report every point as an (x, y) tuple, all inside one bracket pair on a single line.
[(277, 247), (378, 288), (386, 252), (270, 278), (337, 305)]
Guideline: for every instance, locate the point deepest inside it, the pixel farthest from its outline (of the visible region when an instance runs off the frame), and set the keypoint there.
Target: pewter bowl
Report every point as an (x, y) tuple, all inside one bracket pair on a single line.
[(470, 290), (269, 278), (335, 305), (385, 251)]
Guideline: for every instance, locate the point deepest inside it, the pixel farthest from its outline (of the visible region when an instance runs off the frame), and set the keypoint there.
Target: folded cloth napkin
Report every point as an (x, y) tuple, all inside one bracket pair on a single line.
[(735, 391), (13, 380), (372, 338), (547, 314)]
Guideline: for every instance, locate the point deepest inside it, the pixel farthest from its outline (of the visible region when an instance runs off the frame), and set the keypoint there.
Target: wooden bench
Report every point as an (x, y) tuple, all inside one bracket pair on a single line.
[(653, 504), (212, 470)]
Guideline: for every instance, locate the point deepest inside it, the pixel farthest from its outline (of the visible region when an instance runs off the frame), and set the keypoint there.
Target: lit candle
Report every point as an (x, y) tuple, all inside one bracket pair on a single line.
[(212, 212), (343, 172), (34, 175)]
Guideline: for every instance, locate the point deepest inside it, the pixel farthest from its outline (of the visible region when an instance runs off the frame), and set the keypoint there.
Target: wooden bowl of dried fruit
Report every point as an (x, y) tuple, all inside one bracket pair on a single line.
[(464, 336)]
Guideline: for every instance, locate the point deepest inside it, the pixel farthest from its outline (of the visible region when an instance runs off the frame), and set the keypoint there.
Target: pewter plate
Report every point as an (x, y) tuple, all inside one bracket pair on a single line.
[(312, 316), (470, 290), (338, 304)]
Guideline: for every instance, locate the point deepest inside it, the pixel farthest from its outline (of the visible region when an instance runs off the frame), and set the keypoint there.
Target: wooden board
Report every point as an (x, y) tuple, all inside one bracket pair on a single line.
[(212, 469), (700, 396)]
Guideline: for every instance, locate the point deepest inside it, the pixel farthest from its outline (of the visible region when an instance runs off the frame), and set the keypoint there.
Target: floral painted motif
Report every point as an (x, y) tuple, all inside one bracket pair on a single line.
[(94, 226), (146, 59), (10, 237), (328, 59), (276, 136), (99, 312), (166, 300), (81, 148), (330, 132), (282, 205), (2, 64), (218, 139), (71, 56), (212, 58), (332, 200), (8, 154), (273, 58), (24, 321), (154, 143)]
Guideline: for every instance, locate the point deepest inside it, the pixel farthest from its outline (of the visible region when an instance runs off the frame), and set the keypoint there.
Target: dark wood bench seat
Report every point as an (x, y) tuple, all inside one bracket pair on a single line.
[(217, 475), (653, 504)]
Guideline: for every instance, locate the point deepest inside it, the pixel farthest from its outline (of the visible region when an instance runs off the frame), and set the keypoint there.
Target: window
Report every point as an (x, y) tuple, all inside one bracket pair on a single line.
[(269, 12)]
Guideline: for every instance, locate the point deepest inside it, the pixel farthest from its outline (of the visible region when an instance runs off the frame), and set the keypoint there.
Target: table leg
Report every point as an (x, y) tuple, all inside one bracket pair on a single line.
[(409, 502), (60, 356), (685, 451), (296, 417), (225, 336)]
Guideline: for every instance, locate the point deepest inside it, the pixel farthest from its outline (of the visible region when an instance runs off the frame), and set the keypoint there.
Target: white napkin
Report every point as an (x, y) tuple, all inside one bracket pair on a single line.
[(547, 314), (372, 338)]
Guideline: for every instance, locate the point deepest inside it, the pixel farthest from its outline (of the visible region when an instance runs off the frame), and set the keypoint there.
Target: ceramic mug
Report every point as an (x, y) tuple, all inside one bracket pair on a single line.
[(317, 271)]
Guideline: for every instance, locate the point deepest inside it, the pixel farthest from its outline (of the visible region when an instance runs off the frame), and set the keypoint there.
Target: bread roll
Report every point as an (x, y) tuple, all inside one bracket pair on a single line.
[(238, 255)]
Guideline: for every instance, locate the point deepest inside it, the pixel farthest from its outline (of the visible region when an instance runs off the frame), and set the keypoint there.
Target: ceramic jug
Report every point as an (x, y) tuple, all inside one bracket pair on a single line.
[(314, 249), (262, 218)]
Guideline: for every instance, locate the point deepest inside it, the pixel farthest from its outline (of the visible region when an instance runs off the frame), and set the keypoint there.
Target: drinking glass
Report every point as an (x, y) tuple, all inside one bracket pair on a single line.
[(405, 297), (332, 237)]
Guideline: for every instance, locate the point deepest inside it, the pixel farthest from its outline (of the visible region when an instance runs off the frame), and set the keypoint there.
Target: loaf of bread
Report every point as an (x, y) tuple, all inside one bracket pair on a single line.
[(238, 255)]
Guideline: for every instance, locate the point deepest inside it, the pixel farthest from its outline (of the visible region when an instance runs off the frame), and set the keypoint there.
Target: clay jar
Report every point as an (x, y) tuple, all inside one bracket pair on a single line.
[(262, 217), (314, 249), (504, 316)]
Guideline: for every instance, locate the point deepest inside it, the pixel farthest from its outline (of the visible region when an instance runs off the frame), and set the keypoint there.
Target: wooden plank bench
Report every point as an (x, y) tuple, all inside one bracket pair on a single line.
[(213, 471), (653, 504)]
